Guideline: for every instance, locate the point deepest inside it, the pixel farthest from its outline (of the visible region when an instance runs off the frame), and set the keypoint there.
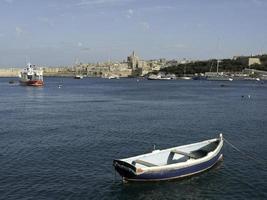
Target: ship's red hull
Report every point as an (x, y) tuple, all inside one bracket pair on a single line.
[(35, 83)]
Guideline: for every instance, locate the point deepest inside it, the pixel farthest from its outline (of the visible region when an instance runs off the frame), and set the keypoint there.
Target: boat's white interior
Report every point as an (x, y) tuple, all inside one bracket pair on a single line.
[(173, 155)]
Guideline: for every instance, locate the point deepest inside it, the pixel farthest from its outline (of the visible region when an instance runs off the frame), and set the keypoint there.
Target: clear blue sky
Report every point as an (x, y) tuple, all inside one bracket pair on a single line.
[(57, 32)]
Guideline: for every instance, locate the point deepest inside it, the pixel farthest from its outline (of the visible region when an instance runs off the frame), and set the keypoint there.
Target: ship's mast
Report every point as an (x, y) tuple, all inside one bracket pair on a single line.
[(218, 62)]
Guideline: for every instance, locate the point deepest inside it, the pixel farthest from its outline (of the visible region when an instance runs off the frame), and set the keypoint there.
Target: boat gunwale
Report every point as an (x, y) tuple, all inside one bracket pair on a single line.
[(169, 149), (188, 163)]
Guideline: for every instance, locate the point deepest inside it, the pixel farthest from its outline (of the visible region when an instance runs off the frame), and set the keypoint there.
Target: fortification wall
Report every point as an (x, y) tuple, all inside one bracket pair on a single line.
[(12, 72)]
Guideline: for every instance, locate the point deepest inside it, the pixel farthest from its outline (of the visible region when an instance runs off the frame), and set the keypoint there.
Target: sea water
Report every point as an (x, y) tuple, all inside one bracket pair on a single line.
[(59, 142)]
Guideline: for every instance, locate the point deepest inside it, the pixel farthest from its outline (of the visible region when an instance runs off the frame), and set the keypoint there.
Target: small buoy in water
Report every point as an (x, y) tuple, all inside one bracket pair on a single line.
[(249, 96), (59, 86), (242, 96), (12, 82)]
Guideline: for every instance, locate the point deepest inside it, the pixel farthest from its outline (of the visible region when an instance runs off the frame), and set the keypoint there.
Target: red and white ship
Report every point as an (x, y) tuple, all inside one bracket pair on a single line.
[(31, 76)]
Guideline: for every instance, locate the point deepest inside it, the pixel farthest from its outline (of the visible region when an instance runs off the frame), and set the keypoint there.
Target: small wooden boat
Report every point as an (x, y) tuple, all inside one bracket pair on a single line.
[(171, 163)]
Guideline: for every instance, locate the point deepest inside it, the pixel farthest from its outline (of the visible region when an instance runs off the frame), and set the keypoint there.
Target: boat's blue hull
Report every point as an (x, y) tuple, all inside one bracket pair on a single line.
[(172, 174), (168, 174)]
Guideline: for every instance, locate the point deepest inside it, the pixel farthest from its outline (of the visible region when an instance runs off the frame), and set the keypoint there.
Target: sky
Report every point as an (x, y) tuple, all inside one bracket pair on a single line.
[(64, 32)]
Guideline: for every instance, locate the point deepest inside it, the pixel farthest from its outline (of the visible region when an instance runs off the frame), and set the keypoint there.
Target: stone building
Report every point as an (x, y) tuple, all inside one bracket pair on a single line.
[(142, 67), (11, 72), (58, 71), (133, 61), (252, 61)]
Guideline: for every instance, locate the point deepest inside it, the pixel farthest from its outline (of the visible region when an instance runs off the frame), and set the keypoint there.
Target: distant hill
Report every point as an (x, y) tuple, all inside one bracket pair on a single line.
[(236, 64)]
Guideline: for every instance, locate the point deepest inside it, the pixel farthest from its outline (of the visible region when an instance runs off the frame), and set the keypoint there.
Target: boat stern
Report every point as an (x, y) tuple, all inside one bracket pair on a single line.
[(125, 169)]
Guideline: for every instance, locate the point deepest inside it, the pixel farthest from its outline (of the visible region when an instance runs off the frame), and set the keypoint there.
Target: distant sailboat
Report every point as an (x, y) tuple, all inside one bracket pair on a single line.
[(78, 73), (212, 76), (184, 77)]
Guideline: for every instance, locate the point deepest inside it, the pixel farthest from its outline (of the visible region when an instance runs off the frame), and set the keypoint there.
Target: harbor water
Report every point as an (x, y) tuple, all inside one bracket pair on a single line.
[(59, 142)]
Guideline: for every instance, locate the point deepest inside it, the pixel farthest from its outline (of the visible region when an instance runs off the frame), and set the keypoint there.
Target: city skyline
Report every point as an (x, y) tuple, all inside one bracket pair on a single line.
[(59, 33)]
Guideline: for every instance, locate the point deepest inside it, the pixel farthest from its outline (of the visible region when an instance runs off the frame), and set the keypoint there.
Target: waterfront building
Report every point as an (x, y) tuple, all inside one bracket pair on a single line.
[(253, 61)]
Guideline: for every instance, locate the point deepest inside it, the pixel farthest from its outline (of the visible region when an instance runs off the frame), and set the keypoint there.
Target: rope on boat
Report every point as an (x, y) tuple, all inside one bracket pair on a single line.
[(243, 153), (261, 163)]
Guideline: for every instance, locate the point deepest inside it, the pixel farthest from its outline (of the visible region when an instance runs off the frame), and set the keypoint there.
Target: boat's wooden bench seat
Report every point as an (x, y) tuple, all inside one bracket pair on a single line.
[(145, 163), (190, 155)]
